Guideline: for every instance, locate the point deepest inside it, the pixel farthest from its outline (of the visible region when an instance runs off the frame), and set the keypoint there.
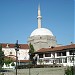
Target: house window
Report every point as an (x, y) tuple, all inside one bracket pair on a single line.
[(46, 61), (64, 60), (61, 53), (71, 52), (58, 53), (60, 60), (71, 59), (47, 54), (40, 55), (64, 53)]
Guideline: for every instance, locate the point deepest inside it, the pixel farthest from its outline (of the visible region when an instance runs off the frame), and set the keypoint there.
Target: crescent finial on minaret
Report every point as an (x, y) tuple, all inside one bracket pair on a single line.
[(39, 17)]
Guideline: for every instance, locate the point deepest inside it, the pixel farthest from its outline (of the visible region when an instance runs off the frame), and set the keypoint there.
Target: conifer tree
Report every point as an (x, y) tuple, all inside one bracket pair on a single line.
[(31, 51), (31, 48)]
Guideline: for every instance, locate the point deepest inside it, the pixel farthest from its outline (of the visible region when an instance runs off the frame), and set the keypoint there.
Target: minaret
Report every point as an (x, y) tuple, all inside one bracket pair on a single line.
[(39, 17)]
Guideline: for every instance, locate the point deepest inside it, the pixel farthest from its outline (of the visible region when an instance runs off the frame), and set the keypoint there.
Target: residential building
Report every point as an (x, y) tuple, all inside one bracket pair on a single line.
[(64, 55)]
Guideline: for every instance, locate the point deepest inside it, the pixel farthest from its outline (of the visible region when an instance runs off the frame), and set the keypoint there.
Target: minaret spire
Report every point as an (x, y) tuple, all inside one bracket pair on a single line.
[(39, 17)]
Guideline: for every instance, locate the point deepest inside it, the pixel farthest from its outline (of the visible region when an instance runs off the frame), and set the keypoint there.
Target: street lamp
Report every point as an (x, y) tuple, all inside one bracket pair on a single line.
[(16, 49), (29, 62), (73, 62)]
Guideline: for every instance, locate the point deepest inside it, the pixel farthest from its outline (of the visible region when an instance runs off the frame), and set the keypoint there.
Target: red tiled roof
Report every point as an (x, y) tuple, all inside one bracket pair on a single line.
[(56, 48), (22, 46)]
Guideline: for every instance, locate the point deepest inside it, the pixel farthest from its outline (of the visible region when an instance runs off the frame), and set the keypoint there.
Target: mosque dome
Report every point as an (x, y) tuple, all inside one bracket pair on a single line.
[(41, 31)]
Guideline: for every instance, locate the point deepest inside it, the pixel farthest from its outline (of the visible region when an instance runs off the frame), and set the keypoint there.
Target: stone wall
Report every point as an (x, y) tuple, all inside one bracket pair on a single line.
[(38, 71), (42, 41)]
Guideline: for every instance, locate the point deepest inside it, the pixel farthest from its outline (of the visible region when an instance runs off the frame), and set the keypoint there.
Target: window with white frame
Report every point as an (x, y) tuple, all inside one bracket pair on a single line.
[(64, 60), (47, 54), (40, 55)]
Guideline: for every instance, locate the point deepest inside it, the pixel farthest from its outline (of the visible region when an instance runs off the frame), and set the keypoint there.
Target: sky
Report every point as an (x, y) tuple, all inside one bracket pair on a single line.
[(18, 19)]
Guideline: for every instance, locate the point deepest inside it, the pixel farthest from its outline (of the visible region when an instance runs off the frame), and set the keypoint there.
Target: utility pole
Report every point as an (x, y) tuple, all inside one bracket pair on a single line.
[(16, 49)]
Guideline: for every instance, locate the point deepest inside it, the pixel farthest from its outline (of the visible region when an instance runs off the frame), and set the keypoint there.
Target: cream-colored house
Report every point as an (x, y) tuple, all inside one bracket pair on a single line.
[(22, 54)]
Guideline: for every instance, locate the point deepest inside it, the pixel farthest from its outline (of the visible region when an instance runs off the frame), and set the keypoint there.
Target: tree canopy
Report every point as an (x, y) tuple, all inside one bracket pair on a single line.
[(31, 51), (7, 61), (31, 48)]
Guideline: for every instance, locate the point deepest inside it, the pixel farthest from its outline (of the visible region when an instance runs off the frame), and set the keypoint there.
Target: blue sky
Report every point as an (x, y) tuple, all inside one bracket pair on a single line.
[(18, 18)]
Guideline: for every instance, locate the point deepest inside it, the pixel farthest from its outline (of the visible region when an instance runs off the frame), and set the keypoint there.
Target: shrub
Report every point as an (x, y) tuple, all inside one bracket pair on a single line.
[(69, 71), (7, 61), (12, 64), (1, 73)]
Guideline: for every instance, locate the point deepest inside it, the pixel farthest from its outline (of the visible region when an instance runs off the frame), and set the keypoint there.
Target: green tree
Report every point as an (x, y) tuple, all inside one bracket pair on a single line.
[(1, 57), (12, 64), (31, 48), (7, 61), (31, 51)]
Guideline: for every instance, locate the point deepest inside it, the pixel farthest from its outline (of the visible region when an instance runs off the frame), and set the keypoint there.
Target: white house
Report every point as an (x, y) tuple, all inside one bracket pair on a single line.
[(22, 54), (64, 55)]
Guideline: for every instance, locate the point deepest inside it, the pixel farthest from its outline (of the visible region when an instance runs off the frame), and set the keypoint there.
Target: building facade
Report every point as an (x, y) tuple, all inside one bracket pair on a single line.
[(63, 55), (41, 37), (47, 51), (22, 54)]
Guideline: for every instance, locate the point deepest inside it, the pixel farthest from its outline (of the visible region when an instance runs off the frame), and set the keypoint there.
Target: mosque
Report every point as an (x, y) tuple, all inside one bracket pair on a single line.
[(47, 51), (42, 37)]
